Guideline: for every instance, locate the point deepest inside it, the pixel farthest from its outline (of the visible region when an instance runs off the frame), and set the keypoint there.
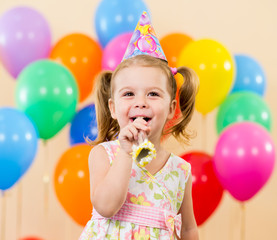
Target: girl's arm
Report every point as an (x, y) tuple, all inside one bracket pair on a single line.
[(189, 227), (109, 184)]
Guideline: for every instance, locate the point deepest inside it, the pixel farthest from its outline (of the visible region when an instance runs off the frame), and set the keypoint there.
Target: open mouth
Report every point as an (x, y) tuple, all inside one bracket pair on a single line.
[(144, 118)]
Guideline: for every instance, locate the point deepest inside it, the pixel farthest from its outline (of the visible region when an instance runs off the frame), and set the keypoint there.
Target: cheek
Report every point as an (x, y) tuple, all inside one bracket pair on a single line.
[(163, 110), (122, 108), (160, 109)]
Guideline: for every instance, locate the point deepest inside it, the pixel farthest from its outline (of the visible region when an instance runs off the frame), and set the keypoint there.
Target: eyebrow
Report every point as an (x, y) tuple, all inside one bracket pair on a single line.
[(148, 89), (125, 88)]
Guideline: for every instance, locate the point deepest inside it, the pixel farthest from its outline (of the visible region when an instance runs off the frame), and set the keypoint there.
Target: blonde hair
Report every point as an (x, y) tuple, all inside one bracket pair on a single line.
[(108, 127)]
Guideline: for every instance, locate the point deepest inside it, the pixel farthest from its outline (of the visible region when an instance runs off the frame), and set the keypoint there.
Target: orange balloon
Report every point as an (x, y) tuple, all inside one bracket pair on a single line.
[(71, 181), (82, 56), (172, 44)]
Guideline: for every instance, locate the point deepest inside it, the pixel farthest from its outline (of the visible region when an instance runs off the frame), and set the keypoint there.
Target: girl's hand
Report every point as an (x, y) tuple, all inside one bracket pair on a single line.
[(129, 134)]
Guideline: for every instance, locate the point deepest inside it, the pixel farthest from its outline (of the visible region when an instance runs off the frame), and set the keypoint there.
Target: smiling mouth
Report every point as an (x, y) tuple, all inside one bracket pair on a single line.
[(144, 118)]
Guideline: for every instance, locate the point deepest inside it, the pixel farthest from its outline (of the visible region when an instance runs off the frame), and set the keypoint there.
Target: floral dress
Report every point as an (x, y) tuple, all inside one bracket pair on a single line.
[(151, 207)]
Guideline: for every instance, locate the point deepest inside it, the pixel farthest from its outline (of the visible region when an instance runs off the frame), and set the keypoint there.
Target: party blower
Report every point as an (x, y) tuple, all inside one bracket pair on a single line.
[(144, 151)]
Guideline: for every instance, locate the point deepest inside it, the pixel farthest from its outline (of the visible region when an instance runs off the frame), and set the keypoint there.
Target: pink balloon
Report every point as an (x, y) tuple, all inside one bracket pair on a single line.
[(24, 37), (114, 51), (244, 159)]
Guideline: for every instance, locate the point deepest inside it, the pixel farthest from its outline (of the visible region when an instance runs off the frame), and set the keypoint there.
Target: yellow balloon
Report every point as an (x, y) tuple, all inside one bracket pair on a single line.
[(215, 68)]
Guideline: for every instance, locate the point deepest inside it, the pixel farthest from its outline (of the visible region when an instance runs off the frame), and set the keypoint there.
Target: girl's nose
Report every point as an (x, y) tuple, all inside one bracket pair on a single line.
[(141, 102)]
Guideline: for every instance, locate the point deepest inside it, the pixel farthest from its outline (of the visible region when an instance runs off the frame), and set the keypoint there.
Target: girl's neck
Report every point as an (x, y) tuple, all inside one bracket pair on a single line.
[(159, 162), (157, 144), (160, 150)]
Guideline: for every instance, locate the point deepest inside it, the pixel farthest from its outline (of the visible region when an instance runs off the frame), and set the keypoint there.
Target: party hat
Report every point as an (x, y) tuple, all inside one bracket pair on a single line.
[(144, 41)]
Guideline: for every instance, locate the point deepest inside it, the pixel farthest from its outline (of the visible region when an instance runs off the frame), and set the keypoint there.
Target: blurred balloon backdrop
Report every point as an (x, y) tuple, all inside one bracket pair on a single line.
[(25, 37), (18, 145), (54, 85)]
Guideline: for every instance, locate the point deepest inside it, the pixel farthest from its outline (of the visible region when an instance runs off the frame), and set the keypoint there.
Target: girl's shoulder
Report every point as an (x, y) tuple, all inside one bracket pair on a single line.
[(112, 148), (110, 144)]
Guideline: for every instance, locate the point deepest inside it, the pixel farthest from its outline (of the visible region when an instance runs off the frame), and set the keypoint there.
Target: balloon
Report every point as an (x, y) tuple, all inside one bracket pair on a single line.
[(206, 190), (215, 68), (114, 17), (244, 159), (84, 125), (48, 93), (30, 238), (71, 179), (82, 56), (250, 75), (243, 106), (18, 146), (172, 45), (25, 37), (114, 51)]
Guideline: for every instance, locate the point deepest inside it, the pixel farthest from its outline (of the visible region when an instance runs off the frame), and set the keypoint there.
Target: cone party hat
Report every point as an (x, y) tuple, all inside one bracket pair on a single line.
[(144, 41)]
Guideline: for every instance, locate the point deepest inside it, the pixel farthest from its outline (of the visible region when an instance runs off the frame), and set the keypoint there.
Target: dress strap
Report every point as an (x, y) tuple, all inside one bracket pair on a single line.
[(147, 216)]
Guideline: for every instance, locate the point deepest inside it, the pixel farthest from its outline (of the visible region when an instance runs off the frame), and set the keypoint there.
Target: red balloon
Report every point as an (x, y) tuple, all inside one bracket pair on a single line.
[(206, 189), (30, 238)]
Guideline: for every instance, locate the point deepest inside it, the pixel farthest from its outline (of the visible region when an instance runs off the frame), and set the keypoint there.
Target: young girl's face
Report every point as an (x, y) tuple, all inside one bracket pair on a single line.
[(142, 92)]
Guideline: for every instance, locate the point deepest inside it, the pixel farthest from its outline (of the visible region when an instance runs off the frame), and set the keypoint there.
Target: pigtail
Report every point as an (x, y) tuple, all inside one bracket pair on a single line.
[(107, 126), (187, 94)]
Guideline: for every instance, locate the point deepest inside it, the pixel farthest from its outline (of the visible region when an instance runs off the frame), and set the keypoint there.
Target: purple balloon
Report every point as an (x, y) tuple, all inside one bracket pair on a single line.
[(24, 37), (244, 159), (114, 51)]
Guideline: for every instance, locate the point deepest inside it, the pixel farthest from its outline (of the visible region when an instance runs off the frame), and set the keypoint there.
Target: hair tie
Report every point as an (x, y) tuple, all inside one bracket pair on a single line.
[(174, 70)]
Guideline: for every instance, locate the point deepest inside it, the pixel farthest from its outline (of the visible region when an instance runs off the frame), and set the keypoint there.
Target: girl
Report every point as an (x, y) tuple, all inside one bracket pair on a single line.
[(131, 202)]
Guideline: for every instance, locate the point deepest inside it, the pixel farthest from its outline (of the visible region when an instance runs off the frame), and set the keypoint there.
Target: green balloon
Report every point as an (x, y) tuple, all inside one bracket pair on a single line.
[(243, 106), (48, 93)]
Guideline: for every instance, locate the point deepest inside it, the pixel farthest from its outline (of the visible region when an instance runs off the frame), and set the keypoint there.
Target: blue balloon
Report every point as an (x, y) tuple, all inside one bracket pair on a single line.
[(84, 125), (250, 75), (18, 145), (114, 17)]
